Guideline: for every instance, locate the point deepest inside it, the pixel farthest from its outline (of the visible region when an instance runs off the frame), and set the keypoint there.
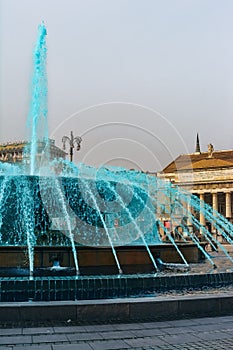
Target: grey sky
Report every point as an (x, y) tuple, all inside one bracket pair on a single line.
[(172, 56)]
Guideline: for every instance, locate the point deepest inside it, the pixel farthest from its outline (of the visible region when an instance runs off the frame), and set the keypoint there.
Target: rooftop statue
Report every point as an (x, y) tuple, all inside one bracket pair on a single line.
[(210, 150)]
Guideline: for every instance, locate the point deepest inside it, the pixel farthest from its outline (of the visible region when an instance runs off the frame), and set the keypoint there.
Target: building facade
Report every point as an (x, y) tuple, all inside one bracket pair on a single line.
[(208, 175), (17, 152)]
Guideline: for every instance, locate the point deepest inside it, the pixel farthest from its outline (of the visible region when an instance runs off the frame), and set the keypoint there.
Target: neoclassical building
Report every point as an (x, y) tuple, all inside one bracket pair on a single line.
[(16, 152), (209, 175)]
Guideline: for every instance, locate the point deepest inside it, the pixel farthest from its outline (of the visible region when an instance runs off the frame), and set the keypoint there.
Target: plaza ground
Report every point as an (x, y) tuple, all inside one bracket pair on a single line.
[(201, 333)]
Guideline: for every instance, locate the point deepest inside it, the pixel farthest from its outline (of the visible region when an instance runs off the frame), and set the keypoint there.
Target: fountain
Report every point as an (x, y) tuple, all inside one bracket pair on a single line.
[(72, 232)]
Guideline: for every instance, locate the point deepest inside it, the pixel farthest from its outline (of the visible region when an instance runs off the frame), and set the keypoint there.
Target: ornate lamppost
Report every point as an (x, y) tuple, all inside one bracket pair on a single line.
[(71, 142)]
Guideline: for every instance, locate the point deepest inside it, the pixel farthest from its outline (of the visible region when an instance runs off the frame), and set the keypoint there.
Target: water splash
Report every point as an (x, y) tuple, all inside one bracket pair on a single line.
[(37, 118), (98, 207), (55, 202), (109, 238)]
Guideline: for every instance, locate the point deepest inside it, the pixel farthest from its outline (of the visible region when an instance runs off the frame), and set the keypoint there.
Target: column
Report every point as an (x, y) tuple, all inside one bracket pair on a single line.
[(202, 217), (214, 206), (228, 205), (215, 201), (189, 208), (186, 204)]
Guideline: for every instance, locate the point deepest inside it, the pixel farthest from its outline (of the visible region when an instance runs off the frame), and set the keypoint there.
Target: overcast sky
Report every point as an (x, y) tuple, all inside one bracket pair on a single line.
[(137, 79)]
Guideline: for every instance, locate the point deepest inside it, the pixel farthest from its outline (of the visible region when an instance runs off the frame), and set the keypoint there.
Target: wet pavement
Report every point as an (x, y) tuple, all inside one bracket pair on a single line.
[(201, 333), (222, 259), (223, 262)]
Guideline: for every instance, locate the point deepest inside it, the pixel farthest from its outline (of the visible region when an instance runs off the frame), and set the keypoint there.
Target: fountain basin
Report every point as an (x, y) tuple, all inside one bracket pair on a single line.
[(92, 261)]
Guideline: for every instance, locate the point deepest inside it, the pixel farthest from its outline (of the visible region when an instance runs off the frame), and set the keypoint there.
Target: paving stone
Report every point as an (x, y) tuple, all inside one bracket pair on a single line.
[(181, 323), (108, 344), (70, 329), (84, 336), (155, 341), (227, 327), (177, 330), (118, 335), (148, 332), (223, 319), (213, 335), (49, 338), (207, 327), (206, 320), (180, 338), (38, 330), (82, 346), (13, 340), (11, 331), (146, 341), (32, 347), (128, 326), (154, 324), (228, 331), (97, 328)]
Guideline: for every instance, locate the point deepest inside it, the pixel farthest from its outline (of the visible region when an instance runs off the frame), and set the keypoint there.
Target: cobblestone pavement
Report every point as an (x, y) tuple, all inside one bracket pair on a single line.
[(203, 333)]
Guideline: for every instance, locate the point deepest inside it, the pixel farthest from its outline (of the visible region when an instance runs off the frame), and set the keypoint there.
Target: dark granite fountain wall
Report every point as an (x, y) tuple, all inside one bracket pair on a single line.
[(103, 287)]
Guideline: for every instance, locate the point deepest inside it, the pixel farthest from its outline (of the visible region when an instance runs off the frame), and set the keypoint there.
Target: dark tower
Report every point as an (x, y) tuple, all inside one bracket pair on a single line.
[(198, 149)]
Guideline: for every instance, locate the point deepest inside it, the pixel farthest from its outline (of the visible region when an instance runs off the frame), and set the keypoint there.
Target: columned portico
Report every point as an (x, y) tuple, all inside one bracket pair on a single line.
[(209, 175), (215, 204)]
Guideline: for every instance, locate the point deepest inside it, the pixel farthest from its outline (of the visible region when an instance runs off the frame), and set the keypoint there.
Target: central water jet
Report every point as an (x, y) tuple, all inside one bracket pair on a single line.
[(37, 118)]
